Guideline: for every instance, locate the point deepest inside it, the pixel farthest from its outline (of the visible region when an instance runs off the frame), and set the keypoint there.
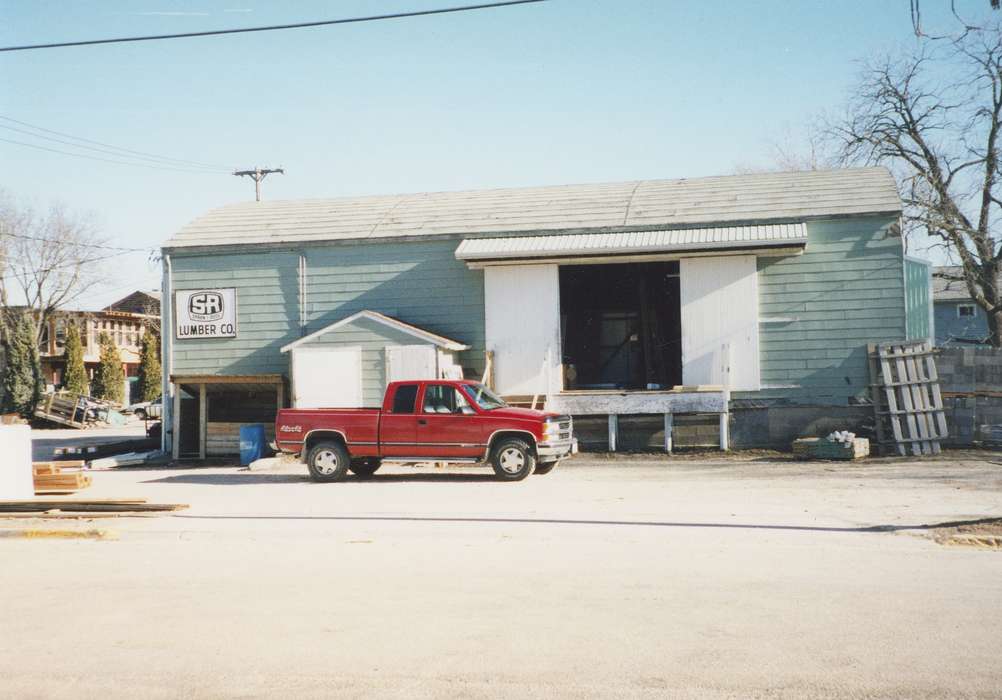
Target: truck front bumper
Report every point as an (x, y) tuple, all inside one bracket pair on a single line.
[(552, 451)]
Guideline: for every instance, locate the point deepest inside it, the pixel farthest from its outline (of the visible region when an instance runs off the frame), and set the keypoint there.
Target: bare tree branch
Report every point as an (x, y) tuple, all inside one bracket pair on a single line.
[(942, 143), (48, 259)]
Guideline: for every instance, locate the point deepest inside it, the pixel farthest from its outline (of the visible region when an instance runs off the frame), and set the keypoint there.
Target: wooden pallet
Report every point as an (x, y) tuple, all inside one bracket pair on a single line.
[(907, 402), (63, 409)]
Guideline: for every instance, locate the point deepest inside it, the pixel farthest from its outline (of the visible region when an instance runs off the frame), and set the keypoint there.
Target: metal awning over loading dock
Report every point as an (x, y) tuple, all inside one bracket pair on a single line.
[(208, 411), (779, 239)]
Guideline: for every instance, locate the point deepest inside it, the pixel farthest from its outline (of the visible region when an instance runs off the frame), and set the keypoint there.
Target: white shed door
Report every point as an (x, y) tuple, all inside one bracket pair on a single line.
[(522, 313), (326, 377), (411, 362), (720, 318)]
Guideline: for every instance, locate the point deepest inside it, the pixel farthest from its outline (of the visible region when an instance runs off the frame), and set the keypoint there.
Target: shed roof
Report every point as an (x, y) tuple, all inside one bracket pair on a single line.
[(584, 244), (419, 333), (619, 206), (944, 288)]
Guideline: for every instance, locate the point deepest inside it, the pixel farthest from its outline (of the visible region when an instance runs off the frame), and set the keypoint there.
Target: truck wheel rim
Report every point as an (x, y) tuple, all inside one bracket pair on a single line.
[(512, 460), (325, 462)]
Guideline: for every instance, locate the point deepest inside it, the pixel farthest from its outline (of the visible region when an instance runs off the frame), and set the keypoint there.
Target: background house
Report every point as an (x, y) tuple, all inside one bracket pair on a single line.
[(125, 322), (958, 320)]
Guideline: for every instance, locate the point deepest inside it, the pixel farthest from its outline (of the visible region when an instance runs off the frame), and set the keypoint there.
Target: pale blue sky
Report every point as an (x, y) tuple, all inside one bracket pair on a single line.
[(561, 92)]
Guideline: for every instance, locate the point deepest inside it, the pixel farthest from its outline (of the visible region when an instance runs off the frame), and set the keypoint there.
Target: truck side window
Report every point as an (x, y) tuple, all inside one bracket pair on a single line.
[(439, 398), (405, 398)]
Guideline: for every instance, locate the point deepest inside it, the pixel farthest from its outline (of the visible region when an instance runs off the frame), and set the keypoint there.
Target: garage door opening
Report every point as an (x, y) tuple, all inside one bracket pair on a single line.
[(621, 326)]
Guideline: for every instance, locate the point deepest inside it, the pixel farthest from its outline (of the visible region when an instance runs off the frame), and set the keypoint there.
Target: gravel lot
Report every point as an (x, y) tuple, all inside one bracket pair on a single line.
[(623, 577)]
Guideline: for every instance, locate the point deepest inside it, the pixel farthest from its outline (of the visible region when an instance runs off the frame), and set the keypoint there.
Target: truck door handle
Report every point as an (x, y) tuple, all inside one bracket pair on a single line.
[(422, 421)]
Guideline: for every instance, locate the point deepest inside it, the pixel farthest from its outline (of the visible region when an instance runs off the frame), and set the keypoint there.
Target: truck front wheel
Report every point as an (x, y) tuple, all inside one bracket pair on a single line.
[(513, 459), (364, 467), (328, 461), (545, 467)]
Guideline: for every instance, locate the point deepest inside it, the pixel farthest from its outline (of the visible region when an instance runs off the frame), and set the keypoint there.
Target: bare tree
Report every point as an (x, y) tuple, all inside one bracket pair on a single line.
[(934, 118), (789, 152), (47, 260)]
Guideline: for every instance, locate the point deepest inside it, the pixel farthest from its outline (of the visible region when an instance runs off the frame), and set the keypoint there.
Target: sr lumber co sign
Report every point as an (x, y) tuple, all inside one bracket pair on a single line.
[(205, 313)]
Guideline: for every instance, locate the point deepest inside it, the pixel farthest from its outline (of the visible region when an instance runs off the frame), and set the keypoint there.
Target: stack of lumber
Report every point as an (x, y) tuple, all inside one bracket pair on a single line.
[(70, 506), (57, 477), (820, 448)]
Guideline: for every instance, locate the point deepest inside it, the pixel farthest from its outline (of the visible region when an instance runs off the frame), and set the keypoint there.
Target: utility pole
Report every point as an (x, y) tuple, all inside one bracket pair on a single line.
[(258, 174)]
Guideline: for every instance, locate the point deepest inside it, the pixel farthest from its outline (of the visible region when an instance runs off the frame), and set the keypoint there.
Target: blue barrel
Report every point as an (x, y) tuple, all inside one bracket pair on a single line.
[(251, 443)]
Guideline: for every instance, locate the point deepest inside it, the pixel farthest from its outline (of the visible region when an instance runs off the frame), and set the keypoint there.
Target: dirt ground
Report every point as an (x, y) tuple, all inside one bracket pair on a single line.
[(620, 577)]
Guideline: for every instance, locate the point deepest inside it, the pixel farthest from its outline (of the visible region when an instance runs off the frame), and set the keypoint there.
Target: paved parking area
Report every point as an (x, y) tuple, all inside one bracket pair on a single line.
[(607, 578)]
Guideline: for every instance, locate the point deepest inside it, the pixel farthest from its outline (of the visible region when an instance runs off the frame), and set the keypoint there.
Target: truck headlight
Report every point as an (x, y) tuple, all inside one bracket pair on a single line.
[(551, 430)]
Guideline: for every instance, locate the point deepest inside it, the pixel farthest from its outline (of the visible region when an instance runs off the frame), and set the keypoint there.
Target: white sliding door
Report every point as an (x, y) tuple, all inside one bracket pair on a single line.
[(720, 315), (326, 377), (522, 308)]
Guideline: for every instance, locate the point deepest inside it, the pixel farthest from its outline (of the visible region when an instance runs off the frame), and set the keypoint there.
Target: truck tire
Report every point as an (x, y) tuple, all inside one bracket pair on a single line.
[(328, 461), (141, 413), (513, 459), (364, 467), (545, 467)]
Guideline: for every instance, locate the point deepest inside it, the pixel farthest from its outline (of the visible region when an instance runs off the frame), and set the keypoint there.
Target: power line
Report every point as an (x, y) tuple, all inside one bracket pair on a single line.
[(95, 148), (75, 263), (81, 244), (180, 161), (108, 160), (274, 27)]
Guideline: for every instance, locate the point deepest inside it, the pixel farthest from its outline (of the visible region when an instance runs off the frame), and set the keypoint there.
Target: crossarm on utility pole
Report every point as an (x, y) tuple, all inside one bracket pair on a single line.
[(258, 174)]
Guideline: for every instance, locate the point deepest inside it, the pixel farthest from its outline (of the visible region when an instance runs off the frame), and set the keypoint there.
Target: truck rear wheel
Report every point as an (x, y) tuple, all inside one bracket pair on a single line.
[(513, 459), (364, 467), (328, 461)]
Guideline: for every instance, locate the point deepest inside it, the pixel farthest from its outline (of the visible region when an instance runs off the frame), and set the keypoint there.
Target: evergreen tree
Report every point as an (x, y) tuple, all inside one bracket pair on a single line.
[(75, 375), (149, 367), (22, 380), (109, 378)]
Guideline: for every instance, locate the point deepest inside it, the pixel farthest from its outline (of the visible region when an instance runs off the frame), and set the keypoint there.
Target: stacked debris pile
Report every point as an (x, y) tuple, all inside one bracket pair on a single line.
[(840, 444)]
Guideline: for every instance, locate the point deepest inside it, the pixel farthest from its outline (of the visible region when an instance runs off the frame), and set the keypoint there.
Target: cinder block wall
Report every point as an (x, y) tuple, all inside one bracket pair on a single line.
[(971, 380)]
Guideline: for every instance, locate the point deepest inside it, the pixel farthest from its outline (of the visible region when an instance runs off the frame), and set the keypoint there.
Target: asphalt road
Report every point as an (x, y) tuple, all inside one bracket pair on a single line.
[(632, 579)]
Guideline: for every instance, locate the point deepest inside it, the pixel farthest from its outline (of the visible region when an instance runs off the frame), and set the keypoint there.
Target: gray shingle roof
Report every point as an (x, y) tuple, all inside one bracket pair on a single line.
[(945, 289), (619, 206)]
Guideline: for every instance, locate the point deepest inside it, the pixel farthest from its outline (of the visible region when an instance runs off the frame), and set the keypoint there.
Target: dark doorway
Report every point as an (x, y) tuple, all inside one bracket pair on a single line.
[(621, 326), (188, 423)]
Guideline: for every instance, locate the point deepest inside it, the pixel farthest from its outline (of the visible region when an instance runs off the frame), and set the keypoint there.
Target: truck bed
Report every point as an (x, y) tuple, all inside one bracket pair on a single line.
[(359, 427)]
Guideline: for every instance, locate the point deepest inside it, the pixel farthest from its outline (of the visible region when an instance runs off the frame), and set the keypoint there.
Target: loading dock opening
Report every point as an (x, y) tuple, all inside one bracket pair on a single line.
[(621, 326)]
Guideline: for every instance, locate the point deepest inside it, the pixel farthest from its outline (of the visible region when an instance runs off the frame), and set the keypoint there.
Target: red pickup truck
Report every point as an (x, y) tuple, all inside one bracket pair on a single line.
[(426, 421)]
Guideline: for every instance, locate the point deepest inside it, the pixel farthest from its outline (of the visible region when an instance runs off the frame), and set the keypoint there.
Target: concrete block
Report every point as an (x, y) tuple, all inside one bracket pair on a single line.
[(16, 480)]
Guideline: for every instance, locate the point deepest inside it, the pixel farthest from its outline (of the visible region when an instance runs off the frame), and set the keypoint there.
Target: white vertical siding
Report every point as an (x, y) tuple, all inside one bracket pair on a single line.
[(405, 362), (522, 315), (720, 308), (326, 377)]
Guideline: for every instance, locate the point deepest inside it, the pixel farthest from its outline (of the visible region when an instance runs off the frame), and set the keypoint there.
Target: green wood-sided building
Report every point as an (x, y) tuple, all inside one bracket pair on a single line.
[(594, 299)]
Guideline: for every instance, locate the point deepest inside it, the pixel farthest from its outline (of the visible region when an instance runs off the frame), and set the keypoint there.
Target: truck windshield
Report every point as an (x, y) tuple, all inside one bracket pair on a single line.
[(484, 397)]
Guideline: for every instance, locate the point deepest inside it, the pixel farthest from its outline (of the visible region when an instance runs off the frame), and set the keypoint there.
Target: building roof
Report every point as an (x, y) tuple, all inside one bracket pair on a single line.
[(419, 333), (635, 242), (946, 289), (619, 206), (138, 302)]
